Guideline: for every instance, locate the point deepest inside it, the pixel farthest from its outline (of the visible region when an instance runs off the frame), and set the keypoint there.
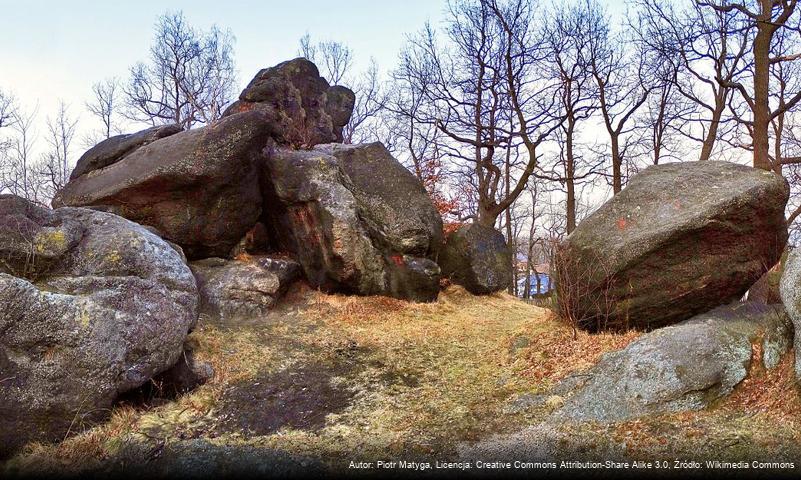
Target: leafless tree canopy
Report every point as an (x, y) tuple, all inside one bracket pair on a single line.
[(335, 61), (188, 79), (105, 107)]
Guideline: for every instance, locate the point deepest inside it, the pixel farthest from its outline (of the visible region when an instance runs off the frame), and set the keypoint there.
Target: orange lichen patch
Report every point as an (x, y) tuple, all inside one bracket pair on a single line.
[(243, 257), (621, 223), (554, 353)]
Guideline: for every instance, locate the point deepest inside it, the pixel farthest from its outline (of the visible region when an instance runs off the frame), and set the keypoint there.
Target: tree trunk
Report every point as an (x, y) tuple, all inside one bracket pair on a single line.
[(777, 144), (761, 84), (569, 180), (527, 293), (509, 231), (487, 216), (712, 134), (510, 241), (617, 164)]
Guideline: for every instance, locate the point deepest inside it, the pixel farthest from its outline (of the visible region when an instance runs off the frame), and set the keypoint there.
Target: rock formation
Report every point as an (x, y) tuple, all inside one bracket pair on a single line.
[(231, 289), (304, 108), (790, 292), (679, 240), (681, 367), (478, 258), (114, 149), (355, 219), (199, 188), (93, 305)]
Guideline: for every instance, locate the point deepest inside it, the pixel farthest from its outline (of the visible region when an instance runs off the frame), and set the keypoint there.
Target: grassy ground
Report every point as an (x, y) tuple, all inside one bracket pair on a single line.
[(329, 375)]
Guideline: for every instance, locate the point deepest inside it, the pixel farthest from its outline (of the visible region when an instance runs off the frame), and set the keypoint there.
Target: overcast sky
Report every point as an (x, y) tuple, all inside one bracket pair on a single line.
[(58, 49)]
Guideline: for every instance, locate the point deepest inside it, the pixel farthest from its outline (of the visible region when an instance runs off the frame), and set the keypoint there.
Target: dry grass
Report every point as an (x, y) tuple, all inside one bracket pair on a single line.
[(761, 420), (769, 392), (423, 377), (555, 352)]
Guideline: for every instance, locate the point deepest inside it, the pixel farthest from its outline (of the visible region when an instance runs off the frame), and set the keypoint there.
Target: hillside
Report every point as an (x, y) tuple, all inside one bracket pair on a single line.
[(325, 376)]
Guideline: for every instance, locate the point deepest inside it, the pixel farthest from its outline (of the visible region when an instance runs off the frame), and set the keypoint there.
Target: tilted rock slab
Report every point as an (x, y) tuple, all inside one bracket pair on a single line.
[(681, 367), (114, 149), (355, 219), (478, 258), (680, 239), (93, 305), (199, 188)]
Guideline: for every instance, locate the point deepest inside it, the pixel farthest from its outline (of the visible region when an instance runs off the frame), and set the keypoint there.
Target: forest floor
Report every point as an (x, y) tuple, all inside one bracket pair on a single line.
[(325, 380)]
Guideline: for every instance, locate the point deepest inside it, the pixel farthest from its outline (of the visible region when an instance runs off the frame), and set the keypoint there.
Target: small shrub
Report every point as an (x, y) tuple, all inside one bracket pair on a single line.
[(583, 292)]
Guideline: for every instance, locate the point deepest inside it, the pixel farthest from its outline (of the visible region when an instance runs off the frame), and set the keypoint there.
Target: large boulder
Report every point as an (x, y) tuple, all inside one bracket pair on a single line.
[(478, 258), (395, 205), (355, 219), (249, 287), (304, 108), (93, 305), (199, 188), (681, 367), (114, 149), (680, 239), (790, 292)]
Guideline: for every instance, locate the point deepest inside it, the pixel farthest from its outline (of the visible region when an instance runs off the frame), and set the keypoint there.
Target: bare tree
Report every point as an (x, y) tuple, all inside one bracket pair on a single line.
[(189, 79), (18, 168), (53, 171), (568, 34), (700, 51), (7, 115), (105, 106), (766, 18), (621, 83), (371, 99), (661, 122), (7, 109), (334, 59), (488, 65)]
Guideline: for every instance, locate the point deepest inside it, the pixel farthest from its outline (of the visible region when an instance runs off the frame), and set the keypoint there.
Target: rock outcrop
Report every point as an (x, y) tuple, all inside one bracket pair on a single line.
[(231, 289), (680, 239), (790, 292), (396, 207), (93, 305), (304, 109), (199, 188), (355, 219), (681, 367), (114, 149), (478, 258)]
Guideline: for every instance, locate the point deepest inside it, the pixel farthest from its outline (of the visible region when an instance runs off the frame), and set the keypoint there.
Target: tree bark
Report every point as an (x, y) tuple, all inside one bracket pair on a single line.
[(712, 134), (569, 178), (617, 164), (761, 109)]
